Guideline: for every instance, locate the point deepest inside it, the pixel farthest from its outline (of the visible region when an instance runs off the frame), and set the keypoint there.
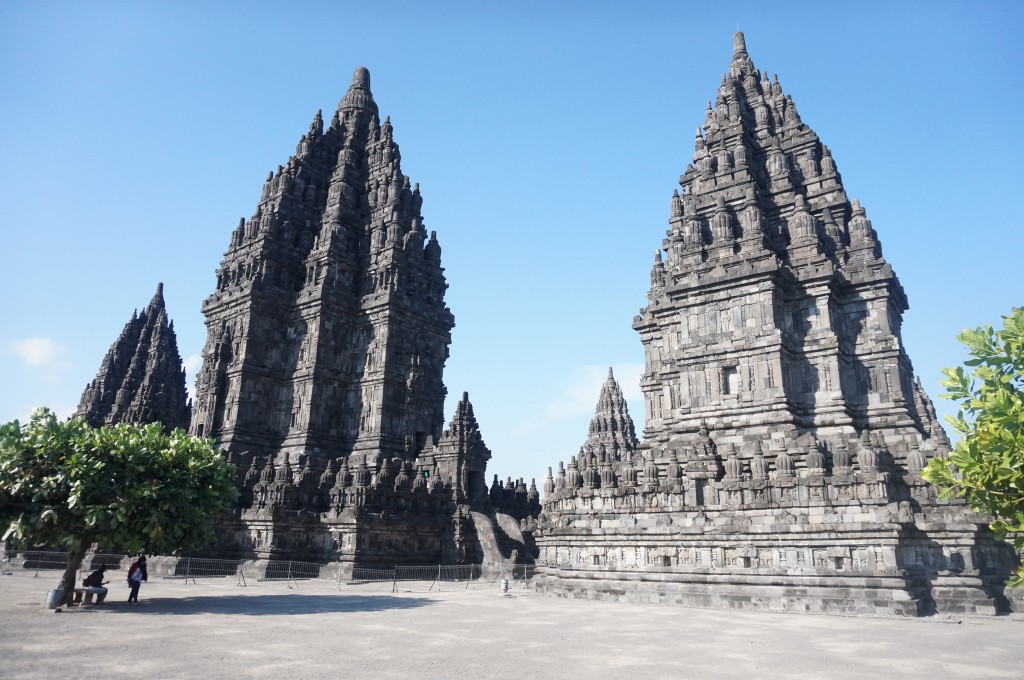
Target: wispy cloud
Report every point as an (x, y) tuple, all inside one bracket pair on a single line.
[(576, 396), (40, 352), (43, 354)]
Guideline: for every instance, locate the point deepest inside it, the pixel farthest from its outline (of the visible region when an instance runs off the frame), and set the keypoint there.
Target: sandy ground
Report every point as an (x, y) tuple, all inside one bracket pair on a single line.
[(217, 629)]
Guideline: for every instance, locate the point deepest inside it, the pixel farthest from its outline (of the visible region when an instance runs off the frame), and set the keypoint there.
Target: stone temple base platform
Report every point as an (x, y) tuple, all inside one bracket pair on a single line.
[(864, 543), (812, 593)]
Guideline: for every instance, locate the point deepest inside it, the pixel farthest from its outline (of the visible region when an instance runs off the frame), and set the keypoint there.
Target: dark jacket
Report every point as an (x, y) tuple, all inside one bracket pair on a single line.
[(95, 579), (139, 565)]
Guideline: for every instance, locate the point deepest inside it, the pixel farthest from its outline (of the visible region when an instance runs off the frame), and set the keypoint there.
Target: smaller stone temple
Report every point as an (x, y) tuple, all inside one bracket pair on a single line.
[(785, 430), (612, 434), (611, 442), (141, 379)]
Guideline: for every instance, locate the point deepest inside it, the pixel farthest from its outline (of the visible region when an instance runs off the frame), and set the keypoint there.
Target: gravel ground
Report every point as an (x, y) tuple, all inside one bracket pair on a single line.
[(221, 630)]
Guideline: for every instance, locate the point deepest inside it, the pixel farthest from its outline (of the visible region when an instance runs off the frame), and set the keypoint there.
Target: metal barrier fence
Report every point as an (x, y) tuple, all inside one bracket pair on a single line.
[(201, 567), (373, 580), (36, 561), (518, 576), (400, 578)]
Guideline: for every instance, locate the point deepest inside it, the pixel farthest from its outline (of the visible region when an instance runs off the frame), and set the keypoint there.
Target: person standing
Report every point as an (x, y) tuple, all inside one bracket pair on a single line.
[(136, 575)]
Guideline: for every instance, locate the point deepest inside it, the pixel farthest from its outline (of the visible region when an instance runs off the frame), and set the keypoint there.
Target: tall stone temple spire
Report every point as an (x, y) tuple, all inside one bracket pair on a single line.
[(612, 434), (327, 336), (141, 379), (770, 299), (327, 332), (785, 432)]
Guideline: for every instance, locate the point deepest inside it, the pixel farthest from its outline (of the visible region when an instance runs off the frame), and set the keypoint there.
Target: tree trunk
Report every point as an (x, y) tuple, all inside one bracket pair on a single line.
[(70, 577)]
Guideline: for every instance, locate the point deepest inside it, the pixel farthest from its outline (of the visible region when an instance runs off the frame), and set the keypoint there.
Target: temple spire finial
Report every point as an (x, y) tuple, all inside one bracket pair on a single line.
[(359, 95), (739, 44), (741, 65), (361, 77), (158, 297)]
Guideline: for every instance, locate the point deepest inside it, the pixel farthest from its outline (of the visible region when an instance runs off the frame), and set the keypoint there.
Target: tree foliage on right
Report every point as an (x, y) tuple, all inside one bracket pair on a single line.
[(987, 466)]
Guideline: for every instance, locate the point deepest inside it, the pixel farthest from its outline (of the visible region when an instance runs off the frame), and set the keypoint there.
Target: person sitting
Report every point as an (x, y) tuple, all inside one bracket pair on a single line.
[(94, 584)]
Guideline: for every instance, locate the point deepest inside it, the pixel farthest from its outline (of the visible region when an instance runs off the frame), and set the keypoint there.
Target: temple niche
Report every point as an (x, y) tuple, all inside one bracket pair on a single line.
[(785, 430)]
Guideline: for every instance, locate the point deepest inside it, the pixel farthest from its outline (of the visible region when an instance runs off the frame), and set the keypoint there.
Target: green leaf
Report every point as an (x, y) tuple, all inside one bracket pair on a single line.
[(70, 484), (987, 466)]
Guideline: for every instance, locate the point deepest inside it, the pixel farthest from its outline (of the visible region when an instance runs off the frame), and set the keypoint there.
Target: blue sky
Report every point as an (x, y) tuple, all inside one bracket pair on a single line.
[(547, 141)]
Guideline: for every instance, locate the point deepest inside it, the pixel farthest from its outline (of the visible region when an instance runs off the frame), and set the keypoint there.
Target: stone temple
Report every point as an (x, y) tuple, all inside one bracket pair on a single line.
[(141, 379), (784, 428), (612, 435), (327, 336)]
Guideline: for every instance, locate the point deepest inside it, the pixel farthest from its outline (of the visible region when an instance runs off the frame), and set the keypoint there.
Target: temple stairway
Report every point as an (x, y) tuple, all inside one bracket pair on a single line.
[(499, 535)]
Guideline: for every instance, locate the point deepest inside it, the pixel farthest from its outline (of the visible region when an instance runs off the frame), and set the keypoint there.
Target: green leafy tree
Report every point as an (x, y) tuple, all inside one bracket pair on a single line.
[(987, 466), (130, 486)]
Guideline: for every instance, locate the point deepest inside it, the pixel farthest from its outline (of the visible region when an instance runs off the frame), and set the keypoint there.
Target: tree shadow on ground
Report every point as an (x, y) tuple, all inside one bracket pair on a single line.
[(265, 605)]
